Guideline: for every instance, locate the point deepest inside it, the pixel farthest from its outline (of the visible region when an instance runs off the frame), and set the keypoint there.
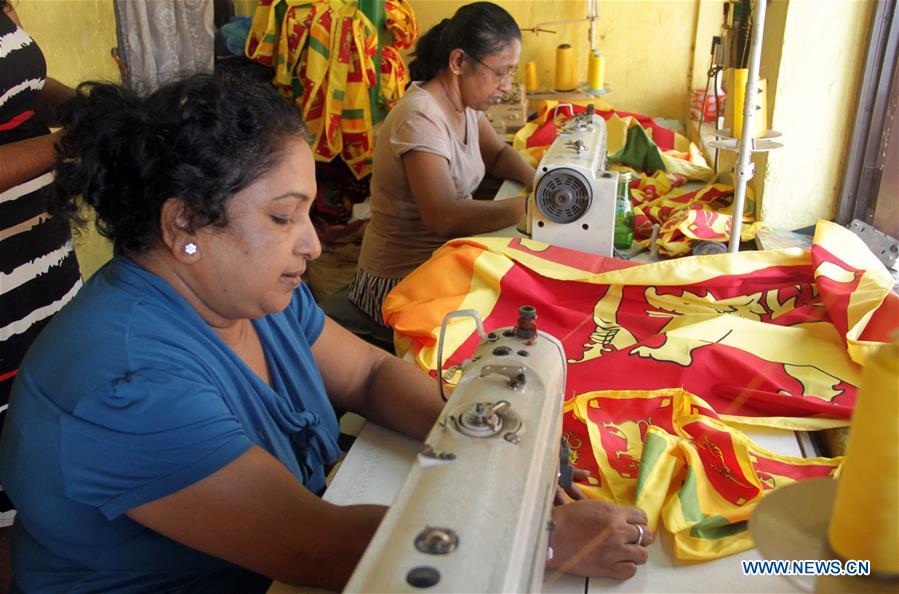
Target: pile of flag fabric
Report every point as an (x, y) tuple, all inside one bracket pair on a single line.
[(668, 360), (662, 162), (323, 54)]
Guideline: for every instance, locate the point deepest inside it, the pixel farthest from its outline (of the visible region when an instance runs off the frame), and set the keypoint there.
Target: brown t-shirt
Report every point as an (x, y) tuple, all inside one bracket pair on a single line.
[(397, 240)]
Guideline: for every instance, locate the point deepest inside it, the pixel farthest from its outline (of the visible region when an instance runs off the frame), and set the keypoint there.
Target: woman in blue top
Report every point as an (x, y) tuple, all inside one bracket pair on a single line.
[(170, 429)]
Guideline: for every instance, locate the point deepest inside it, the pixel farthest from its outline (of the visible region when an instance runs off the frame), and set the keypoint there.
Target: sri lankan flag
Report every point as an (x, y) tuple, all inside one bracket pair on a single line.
[(665, 359)]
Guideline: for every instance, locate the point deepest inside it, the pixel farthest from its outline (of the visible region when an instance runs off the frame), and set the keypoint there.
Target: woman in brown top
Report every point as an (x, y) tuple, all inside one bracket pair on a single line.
[(434, 148)]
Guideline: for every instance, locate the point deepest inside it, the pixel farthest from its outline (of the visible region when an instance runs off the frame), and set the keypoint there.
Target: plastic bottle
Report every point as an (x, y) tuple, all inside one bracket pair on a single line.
[(624, 213)]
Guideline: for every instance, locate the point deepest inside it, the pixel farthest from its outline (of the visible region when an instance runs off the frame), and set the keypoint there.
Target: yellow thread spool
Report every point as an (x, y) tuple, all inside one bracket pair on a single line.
[(596, 71), (736, 94), (531, 82), (565, 75), (866, 509)]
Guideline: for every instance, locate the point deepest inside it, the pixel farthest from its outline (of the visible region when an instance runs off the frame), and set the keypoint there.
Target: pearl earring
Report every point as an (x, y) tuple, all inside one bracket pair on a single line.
[(190, 249)]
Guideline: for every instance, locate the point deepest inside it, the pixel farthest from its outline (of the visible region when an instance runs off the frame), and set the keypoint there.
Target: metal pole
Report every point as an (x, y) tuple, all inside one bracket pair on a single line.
[(744, 167), (593, 15)]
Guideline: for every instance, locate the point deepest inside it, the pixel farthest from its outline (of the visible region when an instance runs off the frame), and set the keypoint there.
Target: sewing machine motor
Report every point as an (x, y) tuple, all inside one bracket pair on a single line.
[(573, 202), (474, 512)]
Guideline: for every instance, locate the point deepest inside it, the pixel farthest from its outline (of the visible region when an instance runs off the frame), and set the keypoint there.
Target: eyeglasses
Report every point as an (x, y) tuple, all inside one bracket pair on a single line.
[(504, 76)]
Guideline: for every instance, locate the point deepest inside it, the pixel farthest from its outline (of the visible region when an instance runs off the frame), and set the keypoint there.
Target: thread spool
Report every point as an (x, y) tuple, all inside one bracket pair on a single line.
[(531, 82), (736, 94), (596, 71), (565, 74), (866, 509)]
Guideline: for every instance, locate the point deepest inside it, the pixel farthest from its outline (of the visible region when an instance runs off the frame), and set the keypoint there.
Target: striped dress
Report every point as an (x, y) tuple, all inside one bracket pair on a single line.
[(38, 269)]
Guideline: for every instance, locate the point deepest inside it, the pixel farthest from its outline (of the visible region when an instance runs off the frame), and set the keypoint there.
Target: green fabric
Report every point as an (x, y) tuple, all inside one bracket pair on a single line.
[(639, 152)]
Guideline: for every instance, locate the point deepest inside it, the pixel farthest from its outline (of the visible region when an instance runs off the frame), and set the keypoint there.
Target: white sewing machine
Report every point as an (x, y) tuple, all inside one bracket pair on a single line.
[(573, 203), (473, 512)]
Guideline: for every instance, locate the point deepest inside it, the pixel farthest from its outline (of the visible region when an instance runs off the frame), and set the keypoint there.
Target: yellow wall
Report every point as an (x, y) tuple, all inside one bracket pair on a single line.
[(648, 45), (75, 36), (814, 56)]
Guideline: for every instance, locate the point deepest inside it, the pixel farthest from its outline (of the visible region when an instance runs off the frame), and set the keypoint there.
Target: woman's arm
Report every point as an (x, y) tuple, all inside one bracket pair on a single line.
[(254, 513), (52, 95), (373, 383), (500, 159), (442, 212), (26, 159)]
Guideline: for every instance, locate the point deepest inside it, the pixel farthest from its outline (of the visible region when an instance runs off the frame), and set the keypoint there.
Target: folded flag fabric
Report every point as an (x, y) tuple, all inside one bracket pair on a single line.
[(668, 452), (686, 215), (681, 352)]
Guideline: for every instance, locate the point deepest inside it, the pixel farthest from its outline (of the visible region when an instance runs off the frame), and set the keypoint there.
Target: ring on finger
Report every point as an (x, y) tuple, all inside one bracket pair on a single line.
[(639, 540)]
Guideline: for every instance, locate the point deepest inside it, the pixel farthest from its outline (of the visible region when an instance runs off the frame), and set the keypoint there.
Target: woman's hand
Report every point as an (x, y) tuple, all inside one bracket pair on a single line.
[(599, 539)]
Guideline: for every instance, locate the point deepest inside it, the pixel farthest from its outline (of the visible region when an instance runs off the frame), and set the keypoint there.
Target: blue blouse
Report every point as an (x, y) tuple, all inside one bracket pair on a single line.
[(128, 396)]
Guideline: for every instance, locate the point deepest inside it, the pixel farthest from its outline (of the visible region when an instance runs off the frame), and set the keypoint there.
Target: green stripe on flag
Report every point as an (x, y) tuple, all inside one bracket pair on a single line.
[(689, 501), (715, 527), (654, 447), (319, 47), (707, 527), (353, 114)]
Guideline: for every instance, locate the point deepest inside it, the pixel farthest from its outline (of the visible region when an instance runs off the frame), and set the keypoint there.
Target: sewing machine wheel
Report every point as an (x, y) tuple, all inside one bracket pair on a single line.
[(563, 195)]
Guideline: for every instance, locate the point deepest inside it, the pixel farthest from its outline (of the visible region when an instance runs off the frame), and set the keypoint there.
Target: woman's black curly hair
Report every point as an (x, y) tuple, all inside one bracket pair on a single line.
[(201, 139), (478, 29)]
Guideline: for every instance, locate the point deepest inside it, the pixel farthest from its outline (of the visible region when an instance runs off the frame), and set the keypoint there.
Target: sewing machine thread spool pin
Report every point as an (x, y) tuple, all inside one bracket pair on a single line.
[(526, 328)]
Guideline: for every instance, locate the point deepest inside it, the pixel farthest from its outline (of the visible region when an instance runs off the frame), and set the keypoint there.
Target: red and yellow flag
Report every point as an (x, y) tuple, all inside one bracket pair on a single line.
[(665, 358)]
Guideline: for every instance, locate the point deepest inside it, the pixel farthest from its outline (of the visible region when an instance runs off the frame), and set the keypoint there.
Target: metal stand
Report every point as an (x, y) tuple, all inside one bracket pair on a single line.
[(746, 145)]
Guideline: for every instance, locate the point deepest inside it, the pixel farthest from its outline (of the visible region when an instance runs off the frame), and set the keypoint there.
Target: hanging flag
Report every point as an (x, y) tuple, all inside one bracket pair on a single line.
[(323, 55)]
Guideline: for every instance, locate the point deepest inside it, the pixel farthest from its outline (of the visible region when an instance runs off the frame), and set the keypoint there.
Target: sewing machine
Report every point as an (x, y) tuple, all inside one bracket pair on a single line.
[(573, 203), (473, 512), (511, 113)]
